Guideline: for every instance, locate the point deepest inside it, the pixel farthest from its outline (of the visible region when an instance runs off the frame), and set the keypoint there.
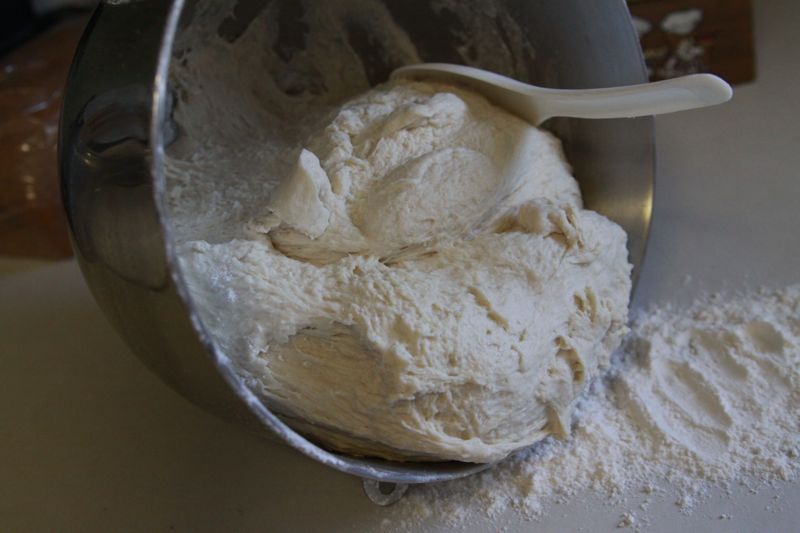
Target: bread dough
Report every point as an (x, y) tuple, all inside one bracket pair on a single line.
[(424, 285)]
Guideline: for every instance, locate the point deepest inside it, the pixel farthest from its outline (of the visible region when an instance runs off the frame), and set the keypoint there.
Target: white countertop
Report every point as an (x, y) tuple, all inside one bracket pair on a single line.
[(91, 441)]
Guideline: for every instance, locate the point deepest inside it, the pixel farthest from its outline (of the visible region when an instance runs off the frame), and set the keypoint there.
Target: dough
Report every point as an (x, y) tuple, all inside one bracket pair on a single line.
[(424, 285)]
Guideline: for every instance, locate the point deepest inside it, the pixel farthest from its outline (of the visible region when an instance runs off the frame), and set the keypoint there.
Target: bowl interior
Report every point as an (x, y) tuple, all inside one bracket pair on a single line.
[(249, 79)]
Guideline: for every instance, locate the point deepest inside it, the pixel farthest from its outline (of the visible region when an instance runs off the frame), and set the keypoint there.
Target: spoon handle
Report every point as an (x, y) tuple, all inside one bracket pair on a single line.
[(668, 96)]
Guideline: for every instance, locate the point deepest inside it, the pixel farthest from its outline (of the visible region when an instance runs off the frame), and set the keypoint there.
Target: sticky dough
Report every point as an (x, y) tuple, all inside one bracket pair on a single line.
[(424, 284)]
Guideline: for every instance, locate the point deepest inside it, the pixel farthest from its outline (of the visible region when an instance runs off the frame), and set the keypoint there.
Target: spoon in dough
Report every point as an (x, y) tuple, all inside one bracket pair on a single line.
[(537, 104)]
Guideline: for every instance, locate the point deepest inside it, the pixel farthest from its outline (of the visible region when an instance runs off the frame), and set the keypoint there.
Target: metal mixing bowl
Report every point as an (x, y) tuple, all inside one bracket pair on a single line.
[(116, 122)]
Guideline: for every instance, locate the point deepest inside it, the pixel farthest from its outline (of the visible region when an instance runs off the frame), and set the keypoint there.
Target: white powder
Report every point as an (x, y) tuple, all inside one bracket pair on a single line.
[(684, 366), (423, 285), (700, 397), (627, 520), (249, 87), (423, 282)]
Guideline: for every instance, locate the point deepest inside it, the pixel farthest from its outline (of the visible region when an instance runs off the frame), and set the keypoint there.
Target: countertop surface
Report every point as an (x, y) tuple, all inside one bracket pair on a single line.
[(91, 441)]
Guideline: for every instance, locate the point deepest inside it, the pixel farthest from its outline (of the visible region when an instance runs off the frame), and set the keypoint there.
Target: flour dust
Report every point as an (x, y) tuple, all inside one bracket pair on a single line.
[(701, 397)]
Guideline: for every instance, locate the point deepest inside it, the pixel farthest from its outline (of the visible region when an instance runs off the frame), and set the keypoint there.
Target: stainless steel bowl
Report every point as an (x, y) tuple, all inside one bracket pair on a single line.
[(115, 124)]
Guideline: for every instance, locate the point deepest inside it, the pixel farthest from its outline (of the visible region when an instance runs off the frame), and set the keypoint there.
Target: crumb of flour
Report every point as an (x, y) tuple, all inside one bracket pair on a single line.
[(627, 520), (701, 397)]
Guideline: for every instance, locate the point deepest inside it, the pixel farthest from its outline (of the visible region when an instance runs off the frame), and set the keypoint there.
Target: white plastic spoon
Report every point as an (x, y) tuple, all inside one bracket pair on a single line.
[(537, 104)]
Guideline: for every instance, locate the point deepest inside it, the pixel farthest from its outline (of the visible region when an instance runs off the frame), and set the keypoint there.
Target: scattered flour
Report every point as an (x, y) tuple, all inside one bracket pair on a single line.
[(627, 520), (701, 397)]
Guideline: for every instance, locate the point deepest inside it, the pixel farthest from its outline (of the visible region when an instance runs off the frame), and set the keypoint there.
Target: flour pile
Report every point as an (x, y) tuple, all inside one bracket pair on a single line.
[(409, 273), (424, 284), (707, 396)]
